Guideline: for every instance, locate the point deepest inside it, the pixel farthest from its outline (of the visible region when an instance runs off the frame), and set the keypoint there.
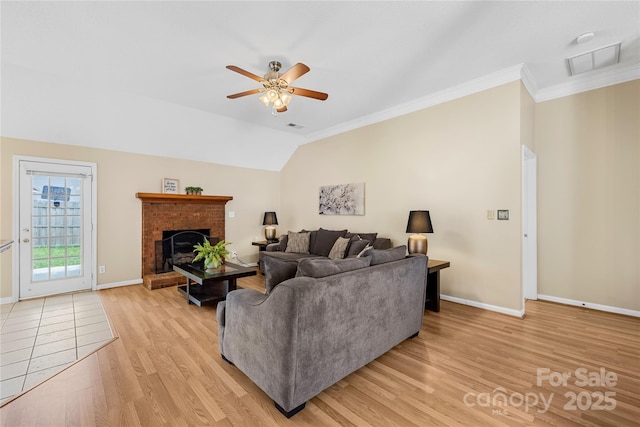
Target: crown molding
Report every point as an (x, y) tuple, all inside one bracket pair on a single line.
[(480, 84), (589, 82), (517, 72)]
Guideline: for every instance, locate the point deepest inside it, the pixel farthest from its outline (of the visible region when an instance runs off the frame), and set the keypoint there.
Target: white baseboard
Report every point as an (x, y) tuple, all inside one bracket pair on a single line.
[(600, 307), (498, 309), (118, 284), (6, 300)]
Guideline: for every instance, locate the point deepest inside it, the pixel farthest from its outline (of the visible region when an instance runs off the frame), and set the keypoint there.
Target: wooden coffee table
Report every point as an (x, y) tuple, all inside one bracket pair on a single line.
[(213, 286)]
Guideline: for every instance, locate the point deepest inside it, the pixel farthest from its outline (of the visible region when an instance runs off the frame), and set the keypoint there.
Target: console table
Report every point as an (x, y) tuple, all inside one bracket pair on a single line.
[(434, 266)]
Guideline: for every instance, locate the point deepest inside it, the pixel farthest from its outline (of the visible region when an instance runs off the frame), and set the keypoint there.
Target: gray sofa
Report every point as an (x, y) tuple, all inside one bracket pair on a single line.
[(320, 244), (312, 330)]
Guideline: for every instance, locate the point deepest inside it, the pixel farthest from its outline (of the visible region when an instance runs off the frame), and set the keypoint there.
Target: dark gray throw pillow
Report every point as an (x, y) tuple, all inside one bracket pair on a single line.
[(371, 237), (380, 256), (324, 241), (276, 271), (356, 246), (318, 267)]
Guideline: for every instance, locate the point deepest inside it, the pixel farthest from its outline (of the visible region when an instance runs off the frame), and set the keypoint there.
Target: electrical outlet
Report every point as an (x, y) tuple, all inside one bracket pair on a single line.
[(234, 254), (102, 269)]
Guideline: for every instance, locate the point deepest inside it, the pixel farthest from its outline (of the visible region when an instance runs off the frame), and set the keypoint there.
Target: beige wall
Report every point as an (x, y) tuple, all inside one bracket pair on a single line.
[(120, 176), (588, 148), (456, 160)]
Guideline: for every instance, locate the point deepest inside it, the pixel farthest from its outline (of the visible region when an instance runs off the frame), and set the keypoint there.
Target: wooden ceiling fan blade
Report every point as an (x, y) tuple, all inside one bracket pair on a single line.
[(309, 93), (245, 93), (294, 72), (245, 73)]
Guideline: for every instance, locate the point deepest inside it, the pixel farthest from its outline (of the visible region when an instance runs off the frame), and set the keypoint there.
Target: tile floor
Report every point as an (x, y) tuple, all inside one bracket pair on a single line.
[(40, 337)]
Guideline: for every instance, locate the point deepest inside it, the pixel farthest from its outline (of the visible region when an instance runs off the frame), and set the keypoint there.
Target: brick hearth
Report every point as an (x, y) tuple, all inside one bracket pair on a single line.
[(175, 212)]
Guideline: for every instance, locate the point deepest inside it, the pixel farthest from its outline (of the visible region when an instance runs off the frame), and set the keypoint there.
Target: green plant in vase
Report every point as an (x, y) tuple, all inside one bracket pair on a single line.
[(213, 255)]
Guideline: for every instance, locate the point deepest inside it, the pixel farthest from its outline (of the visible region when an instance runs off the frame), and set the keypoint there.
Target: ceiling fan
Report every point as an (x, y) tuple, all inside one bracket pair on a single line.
[(276, 90)]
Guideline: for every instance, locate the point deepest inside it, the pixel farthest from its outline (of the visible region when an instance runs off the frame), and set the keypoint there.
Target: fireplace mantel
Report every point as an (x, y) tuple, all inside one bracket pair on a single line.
[(181, 198), (162, 211)]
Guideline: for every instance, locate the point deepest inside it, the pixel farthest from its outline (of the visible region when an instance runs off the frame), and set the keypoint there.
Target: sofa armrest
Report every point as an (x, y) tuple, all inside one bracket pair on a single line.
[(281, 246), (260, 335)]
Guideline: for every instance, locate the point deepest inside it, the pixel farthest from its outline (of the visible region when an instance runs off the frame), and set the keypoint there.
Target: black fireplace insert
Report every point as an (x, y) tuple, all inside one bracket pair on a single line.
[(176, 247)]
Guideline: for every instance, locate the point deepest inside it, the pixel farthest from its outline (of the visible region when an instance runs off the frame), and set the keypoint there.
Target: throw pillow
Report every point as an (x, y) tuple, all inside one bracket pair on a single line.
[(324, 241), (297, 242), (356, 246), (339, 248), (380, 256), (365, 251), (371, 237), (318, 267), (276, 271)]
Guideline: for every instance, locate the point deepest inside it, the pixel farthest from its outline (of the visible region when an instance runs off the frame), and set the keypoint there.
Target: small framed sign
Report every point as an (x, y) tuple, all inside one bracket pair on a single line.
[(170, 186), (503, 214)]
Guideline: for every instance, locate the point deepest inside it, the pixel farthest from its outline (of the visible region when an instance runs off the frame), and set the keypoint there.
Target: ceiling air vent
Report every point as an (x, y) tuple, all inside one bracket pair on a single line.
[(598, 58), (295, 126)]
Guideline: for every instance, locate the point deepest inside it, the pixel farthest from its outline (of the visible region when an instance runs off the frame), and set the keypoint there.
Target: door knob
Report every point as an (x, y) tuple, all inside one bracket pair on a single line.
[(25, 240)]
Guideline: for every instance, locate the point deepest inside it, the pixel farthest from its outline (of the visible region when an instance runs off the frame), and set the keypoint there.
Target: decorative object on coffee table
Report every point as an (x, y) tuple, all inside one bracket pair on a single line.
[(193, 190), (270, 219), (213, 255), (419, 222), (170, 186)]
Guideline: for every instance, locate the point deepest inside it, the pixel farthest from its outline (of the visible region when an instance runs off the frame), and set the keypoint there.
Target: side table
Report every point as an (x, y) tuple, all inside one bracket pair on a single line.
[(262, 246), (434, 266)]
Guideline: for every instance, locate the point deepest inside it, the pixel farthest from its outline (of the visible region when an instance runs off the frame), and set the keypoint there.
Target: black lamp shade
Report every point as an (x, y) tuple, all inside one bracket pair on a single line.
[(419, 222), (270, 218)]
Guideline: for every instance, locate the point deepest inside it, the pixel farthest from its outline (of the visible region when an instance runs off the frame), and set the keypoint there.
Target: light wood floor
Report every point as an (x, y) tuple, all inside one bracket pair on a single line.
[(165, 370)]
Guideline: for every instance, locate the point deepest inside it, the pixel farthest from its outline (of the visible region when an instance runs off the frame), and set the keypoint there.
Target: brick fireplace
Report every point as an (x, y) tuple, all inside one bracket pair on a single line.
[(175, 212)]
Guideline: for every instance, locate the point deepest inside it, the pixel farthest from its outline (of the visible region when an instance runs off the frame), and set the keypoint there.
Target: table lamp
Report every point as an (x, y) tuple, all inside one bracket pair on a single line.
[(419, 222), (270, 219)]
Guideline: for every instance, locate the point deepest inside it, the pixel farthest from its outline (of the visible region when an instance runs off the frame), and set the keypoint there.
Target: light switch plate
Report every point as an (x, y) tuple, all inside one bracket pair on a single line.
[(503, 214), (490, 214)]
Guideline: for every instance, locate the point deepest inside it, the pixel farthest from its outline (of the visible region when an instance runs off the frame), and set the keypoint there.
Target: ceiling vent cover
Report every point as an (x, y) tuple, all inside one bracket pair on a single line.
[(598, 58)]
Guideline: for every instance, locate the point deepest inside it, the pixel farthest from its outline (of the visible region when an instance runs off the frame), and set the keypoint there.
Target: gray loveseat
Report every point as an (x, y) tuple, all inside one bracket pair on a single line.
[(320, 244), (310, 332)]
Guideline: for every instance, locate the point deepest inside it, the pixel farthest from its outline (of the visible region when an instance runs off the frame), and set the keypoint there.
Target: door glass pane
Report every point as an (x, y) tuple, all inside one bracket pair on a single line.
[(56, 227)]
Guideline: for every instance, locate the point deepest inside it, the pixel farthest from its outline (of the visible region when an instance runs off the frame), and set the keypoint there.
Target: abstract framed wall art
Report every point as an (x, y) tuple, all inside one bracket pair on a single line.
[(343, 199)]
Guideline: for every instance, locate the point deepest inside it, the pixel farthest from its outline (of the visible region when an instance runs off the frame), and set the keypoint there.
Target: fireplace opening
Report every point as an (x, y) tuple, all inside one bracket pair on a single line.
[(176, 247)]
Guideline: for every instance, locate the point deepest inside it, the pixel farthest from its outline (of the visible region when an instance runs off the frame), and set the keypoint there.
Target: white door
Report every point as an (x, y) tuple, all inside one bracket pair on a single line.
[(529, 226), (55, 227)]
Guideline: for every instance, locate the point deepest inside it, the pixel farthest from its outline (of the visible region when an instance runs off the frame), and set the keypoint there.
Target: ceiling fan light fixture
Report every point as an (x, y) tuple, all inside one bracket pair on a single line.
[(265, 99), (272, 94), (286, 98), (275, 91)]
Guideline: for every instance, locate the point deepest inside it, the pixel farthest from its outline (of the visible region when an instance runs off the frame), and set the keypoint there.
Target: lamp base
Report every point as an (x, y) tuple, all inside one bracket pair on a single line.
[(270, 233), (417, 244)]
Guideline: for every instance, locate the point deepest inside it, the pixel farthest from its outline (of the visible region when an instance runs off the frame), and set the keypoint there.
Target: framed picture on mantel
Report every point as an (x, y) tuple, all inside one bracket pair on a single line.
[(170, 186)]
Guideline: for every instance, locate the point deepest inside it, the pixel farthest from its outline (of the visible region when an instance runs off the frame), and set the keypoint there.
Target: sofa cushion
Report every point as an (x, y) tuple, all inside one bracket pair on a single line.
[(320, 267), (277, 270), (298, 242), (324, 241), (339, 248), (380, 256)]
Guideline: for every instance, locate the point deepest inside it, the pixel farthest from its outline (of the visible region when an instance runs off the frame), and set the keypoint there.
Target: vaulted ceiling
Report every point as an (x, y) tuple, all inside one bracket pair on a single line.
[(150, 77)]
